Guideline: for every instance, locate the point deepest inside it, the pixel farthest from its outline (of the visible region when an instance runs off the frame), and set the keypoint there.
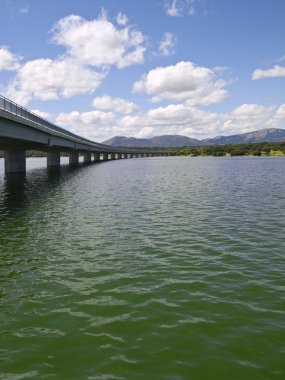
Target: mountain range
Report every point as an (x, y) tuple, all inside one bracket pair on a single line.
[(263, 135)]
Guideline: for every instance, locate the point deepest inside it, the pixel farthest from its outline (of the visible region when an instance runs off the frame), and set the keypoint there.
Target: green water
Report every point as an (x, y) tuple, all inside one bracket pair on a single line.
[(155, 268)]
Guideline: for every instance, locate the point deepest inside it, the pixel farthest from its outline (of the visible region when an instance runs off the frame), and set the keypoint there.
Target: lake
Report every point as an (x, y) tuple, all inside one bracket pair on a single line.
[(155, 268)]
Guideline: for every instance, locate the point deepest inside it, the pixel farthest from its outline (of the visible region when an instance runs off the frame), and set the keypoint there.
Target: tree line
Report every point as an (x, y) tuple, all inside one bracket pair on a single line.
[(245, 149)]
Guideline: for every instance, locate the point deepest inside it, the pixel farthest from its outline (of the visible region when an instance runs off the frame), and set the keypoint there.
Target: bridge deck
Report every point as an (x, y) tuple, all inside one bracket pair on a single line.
[(21, 130)]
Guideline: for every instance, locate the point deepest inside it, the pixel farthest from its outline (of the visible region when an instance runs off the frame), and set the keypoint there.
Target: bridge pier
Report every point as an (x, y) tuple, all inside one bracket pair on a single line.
[(112, 156), (87, 158), (96, 157), (53, 159), (15, 161), (119, 156), (105, 156), (73, 159)]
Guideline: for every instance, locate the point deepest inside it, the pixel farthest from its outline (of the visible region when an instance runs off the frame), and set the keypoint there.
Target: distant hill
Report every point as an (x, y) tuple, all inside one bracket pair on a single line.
[(157, 141), (263, 135)]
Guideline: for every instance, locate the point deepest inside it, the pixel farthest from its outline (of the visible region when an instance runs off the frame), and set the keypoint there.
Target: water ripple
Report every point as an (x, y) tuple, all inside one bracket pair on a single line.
[(152, 268)]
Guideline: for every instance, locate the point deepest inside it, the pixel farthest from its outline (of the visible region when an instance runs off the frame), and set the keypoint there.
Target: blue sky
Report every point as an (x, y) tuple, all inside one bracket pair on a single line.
[(101, 68)]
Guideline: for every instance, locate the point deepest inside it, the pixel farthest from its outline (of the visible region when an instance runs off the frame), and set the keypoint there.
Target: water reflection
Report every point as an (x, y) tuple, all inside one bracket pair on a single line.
[(13, 192), (19, 190)]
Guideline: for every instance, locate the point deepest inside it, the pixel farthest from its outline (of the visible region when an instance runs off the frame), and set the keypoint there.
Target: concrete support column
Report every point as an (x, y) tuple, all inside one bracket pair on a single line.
[(105, 156), (126, 155), (112, 156), (96, 157), (87, 158), (74, 159), (15, 161), (53, 159), (119, 156)]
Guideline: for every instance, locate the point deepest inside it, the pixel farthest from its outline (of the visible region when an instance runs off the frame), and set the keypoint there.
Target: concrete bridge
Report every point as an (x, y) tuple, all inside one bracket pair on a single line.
[(22, 130)]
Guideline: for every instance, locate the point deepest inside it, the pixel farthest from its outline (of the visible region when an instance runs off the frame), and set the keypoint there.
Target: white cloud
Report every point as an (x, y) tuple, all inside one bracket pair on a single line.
[(250, 117), (98, 42), (280, 113), (131, 121), (172, 8), (173, 114), (181, 119), (177, 8), (91, 48), (183, 81), (145, 132), (96, 118), (95, 125), (47, 79), (175, 119), (167, 44), (193, 122), (8, 61), (122, 19), (117, 104), (249, 110), (275, 72)]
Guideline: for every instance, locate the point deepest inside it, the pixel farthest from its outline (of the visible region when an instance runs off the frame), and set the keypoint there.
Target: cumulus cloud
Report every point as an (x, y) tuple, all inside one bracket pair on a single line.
[(252, 116), (91, 48), (145, 132), (116, 104), (95, 125), (98, 42), (250, 110), (280, 113), (8, 60), (183, 81), (183, 120), (47, 79), (96, 118), (194, 122), (175, 119), (275, 72), (167, 44)]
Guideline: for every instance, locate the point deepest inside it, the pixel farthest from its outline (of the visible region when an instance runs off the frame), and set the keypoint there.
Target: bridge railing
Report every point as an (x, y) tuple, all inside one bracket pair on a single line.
[(15, 109), (49, 127)]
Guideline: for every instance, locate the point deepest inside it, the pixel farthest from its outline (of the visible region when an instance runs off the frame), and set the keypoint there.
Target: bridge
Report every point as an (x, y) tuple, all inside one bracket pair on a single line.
[(22, 130)]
